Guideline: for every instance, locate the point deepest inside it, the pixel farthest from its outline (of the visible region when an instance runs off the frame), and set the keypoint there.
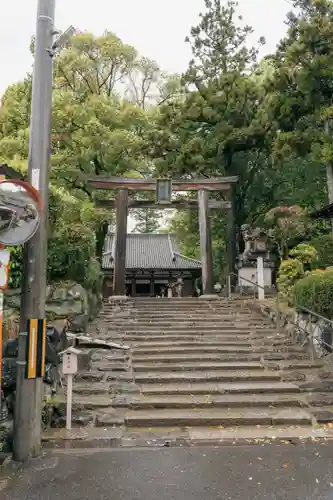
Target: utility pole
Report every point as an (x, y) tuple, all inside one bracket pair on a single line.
[(28, 407)]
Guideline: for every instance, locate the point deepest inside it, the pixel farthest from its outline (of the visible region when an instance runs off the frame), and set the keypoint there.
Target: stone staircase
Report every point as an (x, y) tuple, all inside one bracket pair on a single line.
[(197, 363)]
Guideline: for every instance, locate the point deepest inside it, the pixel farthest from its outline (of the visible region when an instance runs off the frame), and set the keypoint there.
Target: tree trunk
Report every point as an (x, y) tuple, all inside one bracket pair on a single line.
[(100, 238)]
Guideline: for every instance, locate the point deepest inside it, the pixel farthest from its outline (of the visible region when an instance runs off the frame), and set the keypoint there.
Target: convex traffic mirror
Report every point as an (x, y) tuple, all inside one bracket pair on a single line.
[(19, 212)]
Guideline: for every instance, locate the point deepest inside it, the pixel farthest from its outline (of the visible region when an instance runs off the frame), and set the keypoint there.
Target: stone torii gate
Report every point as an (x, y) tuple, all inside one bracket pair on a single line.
[(202, 186)]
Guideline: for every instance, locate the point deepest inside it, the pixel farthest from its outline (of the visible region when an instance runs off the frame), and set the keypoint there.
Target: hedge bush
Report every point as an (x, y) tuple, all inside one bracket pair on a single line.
[(292, 270), (305, 253), (324, 246), (315, 292)]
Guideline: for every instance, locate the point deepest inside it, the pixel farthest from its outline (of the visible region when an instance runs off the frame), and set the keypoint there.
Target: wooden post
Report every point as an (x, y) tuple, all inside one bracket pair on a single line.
[(119, 274), (133, 287), (232, 240), (151, 285), (205, 244)]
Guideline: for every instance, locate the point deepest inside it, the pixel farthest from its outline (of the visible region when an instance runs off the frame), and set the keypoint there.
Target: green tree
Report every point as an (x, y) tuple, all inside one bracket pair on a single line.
[(220, 126), (147, 221), (185, 227), (71, 242), (302, 85), (95, 131), (284, 225)]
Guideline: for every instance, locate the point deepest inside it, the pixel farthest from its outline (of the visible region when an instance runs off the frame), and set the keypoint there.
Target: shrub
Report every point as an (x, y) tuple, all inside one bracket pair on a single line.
[(315, 292), (324, 246), (305, 253), (290, 271), (15, 267)]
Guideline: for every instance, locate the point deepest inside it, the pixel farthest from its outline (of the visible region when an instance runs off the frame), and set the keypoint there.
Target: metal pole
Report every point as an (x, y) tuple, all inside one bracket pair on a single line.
[(28, 407), (2, 410), (69, 402)]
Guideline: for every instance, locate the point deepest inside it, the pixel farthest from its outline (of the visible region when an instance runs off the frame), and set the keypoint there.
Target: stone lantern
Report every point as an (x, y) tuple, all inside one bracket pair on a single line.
[(259, 244), (255, 268)]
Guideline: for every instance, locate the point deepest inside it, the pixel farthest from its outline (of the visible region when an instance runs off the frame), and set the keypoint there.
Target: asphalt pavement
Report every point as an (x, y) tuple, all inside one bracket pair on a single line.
[(253, 472)]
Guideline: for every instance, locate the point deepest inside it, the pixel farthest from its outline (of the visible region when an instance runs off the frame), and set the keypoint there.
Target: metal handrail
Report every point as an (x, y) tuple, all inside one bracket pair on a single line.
[(281, 314), (312, 313), (247, 280)]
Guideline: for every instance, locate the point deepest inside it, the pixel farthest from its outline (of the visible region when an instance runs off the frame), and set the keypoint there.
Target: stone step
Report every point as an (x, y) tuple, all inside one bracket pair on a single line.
[(153, 311), (188, 318), (181, 306), (206, 349), (145, 402), (189, 332), (206, 326), (170, 300), (88, 389), (197, 377), (323, 415), (89, 376), (185, 321), (194, 348), (182, 303), (220, 388), (208, 342), (294, 365), (139, 300), (199, 366), (172, 339), (186, 311), (164, 315), (173, 330), (212, 356), (217, 417), (92, 402), (319, 399)]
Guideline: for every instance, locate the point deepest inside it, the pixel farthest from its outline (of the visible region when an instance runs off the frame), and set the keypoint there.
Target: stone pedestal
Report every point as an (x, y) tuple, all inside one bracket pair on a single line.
[(248, 272), (209, 297), (116, 298)]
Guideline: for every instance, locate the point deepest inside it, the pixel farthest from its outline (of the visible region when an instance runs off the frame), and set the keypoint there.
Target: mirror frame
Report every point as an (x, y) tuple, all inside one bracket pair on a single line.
[(35, 195), (28, 187)]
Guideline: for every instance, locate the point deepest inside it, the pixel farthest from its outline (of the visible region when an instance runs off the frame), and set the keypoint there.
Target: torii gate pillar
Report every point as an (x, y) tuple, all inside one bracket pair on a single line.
[(119, 273), (205, 244)]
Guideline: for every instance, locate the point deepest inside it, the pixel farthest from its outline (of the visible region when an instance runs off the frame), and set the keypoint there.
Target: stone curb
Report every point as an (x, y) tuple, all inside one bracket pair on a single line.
[(177, 436), (184, 442)]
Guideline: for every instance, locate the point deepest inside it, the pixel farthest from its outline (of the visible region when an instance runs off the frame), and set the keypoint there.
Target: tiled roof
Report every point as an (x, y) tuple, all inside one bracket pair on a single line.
[(148, 251)]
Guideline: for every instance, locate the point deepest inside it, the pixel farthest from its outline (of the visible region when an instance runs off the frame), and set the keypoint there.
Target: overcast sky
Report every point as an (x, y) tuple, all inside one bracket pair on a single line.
[(156, 28)]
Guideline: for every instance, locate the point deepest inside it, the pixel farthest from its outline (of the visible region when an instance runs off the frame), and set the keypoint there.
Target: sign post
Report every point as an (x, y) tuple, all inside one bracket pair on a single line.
[(69, 368)]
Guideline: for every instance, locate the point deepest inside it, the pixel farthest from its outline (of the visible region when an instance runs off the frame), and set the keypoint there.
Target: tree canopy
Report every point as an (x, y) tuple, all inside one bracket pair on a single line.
[(115, 111)]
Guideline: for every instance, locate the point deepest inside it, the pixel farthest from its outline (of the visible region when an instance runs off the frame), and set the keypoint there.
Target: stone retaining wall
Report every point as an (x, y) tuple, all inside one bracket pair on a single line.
[(300, 326), (63, 300)]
